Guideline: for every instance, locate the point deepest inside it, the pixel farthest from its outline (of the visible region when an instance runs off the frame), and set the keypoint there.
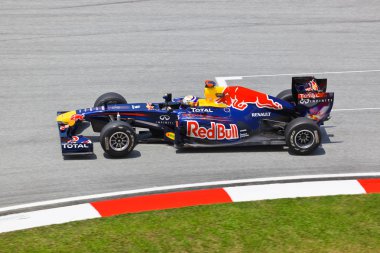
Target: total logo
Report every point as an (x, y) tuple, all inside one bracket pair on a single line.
[(217, 131), (201, 110), (74, 145)]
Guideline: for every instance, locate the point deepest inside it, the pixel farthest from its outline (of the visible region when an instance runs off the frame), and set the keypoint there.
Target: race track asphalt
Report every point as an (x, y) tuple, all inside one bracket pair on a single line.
[(61, 55)]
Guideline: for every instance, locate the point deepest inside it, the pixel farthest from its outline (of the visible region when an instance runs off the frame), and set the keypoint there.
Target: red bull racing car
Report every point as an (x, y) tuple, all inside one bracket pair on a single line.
[(226, 116)]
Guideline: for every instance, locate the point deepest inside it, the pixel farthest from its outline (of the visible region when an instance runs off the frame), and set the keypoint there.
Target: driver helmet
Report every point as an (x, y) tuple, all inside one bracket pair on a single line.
[(190, 100)]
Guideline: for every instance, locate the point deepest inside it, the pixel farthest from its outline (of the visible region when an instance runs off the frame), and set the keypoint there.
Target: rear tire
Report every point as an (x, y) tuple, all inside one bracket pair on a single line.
[(110, 98), (118, 139), (287, 96), (302, 136)]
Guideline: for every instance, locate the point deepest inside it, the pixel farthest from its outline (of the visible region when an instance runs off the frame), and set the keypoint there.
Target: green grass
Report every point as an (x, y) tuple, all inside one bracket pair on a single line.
[(326, 224)]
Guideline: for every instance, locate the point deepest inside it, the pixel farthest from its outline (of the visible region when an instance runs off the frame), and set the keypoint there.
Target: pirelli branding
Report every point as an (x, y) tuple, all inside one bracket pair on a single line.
[(217, 131)]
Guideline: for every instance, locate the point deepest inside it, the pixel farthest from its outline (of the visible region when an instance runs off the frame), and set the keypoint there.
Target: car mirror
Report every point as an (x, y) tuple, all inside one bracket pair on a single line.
[(167, 97)]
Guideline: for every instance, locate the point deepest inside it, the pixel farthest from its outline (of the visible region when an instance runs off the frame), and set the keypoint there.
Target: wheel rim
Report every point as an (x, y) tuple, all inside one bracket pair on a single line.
[(119, 141), (304, 139)]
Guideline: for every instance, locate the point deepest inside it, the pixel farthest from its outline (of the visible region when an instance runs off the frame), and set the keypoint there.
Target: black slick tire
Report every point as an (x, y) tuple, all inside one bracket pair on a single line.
[(302, 136), (110, 98), (118, 139)]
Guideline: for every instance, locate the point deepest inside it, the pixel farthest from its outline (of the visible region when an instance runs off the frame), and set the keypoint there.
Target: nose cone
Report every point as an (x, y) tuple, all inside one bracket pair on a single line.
[(65, 118)]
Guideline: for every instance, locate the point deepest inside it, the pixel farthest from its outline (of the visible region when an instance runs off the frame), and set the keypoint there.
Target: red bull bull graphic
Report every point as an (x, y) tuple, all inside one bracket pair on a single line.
[(312, 86), (76, 117), (239, 97), (74, 139), (217, 131), (64, 127)]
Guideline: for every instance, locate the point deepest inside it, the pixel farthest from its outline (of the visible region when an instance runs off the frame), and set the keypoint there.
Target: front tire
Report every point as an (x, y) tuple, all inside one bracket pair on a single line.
[(110, 98), (302, 136), (118, 139)]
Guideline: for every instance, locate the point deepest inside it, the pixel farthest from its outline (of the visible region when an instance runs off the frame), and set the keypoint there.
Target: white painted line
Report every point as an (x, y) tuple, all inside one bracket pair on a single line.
[(354, 109), (319, 73), (237, 194), (184, 186), (222, 80), (294, 190), (46, 217)]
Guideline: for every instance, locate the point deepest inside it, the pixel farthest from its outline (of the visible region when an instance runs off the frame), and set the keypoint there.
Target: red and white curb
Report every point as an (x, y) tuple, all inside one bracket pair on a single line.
[(170, 200)]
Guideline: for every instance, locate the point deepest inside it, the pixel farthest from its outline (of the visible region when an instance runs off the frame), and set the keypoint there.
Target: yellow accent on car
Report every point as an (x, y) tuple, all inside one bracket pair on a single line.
[(65, 118), (210, 97), (170, 135)]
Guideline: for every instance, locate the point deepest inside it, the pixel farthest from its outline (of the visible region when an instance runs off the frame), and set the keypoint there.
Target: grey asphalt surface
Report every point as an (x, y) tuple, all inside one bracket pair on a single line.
[(61, 55)]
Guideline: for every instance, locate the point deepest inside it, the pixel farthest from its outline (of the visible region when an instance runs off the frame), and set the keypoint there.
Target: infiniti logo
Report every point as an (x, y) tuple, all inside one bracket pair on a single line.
[(164, 117)]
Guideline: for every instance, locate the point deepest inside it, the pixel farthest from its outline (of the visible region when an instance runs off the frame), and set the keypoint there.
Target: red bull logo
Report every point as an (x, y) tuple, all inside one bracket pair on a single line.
[(63, 128), (74, 139), (239, 97), (76, 117), (217, 131), (312, 86)]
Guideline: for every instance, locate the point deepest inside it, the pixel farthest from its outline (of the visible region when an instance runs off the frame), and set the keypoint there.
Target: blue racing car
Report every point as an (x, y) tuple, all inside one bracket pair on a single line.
[(226, 116)]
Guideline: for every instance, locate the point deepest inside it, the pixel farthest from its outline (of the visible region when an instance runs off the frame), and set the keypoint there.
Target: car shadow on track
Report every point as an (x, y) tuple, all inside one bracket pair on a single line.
[(80, 157), (326, 136), (93, 138), (133, 154), (252, 149), (231, 149)]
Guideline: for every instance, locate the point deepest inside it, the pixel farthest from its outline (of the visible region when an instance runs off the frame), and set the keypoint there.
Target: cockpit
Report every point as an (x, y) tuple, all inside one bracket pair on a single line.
[(212, 92)]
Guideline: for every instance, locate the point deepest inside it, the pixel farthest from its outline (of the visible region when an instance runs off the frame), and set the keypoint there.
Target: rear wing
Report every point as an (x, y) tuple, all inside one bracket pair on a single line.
[(311, 97)]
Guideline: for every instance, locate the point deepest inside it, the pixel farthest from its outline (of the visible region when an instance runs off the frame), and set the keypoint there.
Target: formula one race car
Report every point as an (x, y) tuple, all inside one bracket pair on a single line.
[(226, 116)]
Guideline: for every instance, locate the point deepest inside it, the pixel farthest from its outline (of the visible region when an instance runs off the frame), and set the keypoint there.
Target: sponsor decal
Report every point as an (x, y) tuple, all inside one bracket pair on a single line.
[(165, 120), (318, 100), (170, 135), (107, 143), (217, 131), (226, 109), (239, 97), (76, 117), (164, 117), (74, 145), (74, 139), (243, 133), (313, 95), (260, 114), (63, 128), (316, 136), (312, 86), (135, 107), (201, 110)]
